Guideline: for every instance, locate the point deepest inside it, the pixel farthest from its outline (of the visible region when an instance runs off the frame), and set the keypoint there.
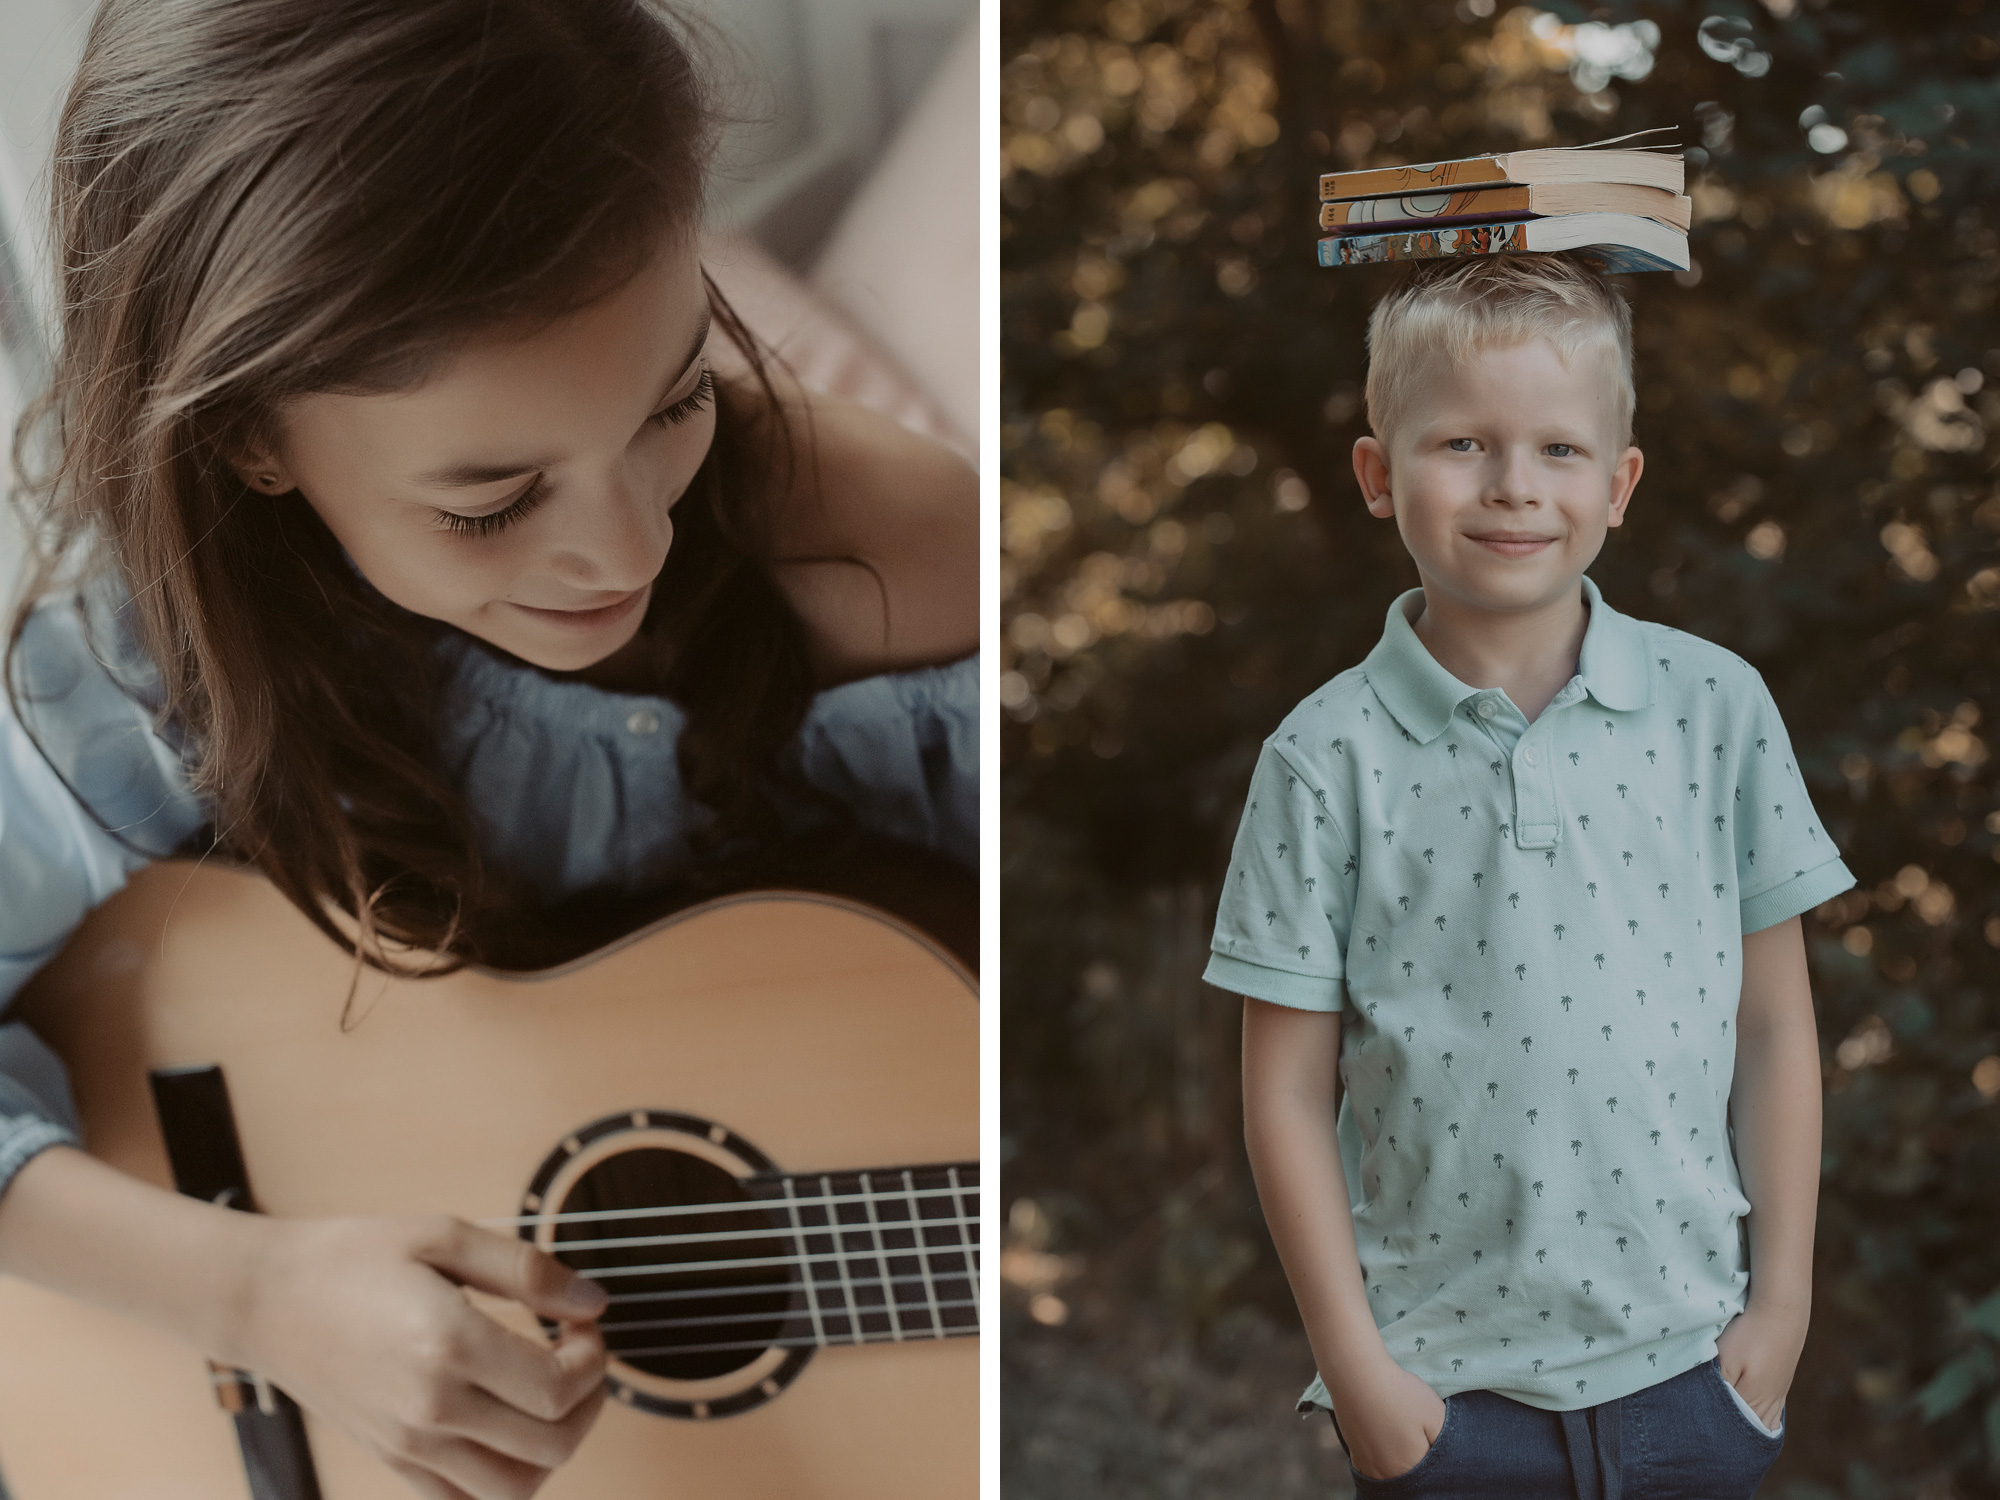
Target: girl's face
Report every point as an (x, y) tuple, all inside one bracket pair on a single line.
[(524, 492)]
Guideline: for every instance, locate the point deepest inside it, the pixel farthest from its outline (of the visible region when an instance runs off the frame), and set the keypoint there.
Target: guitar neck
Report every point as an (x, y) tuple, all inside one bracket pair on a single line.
[(884, 1255)]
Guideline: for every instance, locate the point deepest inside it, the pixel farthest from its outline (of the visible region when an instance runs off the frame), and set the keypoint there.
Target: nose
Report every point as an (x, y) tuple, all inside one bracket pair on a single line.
[(1514, 479), (615, 537)]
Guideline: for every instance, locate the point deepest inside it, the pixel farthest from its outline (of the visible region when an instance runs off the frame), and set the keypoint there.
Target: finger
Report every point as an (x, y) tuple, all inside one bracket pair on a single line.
[(546, 1383), (507, 1267), (477, 1471), (492, 1422), (428, 1485)]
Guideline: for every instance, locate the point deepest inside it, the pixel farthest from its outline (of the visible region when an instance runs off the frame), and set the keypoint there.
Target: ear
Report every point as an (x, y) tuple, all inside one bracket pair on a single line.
[(259, 468), (1624, 479), (1371, 472)]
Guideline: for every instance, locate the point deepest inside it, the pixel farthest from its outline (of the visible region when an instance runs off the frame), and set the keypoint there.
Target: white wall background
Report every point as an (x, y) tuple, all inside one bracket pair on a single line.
[(822, 82)]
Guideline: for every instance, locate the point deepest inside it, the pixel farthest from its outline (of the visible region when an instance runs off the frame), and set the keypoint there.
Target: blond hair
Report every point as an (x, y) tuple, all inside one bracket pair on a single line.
[(1457, 308)]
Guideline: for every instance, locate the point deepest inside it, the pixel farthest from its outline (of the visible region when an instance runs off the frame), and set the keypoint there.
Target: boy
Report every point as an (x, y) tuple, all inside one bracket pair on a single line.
[(1530, 874)]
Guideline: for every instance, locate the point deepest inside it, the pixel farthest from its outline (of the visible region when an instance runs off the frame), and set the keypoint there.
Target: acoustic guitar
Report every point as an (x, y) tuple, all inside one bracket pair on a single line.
[(754, 1123)]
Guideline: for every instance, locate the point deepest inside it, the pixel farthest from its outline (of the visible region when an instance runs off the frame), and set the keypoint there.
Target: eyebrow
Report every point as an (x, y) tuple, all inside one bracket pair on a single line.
[(464, 476)]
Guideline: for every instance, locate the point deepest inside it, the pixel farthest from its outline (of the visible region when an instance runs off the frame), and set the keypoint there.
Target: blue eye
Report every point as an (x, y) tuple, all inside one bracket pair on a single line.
[(1454, 442), (1567, 450), (690, 404)]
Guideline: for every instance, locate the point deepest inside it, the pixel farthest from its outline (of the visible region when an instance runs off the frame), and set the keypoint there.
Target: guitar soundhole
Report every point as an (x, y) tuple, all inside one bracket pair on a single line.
[(666, 1318)]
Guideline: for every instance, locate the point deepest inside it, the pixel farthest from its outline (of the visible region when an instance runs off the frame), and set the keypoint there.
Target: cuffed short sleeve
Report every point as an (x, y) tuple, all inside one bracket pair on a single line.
[(1288, 902), (1785, 862)]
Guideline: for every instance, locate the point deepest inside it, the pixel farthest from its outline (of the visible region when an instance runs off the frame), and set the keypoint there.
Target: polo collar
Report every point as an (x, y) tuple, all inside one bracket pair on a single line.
[(1422, 696)]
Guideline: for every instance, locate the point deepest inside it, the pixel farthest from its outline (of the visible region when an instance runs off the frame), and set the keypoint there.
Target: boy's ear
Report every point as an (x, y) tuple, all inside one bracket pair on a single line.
[(1371, 472), (1624, 479)]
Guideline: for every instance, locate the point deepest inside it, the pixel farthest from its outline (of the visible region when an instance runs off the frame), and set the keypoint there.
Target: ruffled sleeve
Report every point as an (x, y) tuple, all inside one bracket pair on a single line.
[(902, 751)]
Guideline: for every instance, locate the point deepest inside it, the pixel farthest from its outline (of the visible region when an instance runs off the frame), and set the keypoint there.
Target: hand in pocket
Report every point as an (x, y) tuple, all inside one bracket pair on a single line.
[(1390, 1418)]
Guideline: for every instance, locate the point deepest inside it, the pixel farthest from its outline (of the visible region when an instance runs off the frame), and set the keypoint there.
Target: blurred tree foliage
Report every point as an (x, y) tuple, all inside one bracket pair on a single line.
[(1185, 558)]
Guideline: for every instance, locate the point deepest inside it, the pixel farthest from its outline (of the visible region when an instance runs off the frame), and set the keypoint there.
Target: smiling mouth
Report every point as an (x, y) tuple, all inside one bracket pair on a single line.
[(1510, 543), (592, 618)]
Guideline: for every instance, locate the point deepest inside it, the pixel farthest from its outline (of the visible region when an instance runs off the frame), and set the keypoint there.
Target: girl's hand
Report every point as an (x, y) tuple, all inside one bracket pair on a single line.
[(364, 1322), (1760, 1351), (1389, 1417)]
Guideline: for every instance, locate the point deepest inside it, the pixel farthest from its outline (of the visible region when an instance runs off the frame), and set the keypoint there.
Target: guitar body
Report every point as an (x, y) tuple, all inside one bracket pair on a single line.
[(806, 1029)]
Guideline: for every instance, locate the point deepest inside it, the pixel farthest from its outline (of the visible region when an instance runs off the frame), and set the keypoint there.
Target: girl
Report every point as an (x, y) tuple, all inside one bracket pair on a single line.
[(429, 566)]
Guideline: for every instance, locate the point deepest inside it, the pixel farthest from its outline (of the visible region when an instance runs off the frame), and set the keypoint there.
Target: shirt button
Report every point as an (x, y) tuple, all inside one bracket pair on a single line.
[(643, 721), (1532, 757), (1486, 709)]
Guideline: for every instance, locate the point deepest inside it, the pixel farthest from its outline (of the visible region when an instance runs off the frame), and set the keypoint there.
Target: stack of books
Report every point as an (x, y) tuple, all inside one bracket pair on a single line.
[(1622, 209)]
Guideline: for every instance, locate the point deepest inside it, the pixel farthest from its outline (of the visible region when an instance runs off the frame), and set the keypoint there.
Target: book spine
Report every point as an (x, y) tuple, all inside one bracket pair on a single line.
[(1389, 182), (1389, 214), (1422, 244)]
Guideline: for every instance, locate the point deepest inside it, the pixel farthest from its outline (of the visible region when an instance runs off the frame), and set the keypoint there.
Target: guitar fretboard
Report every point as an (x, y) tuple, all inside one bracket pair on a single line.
[(884, 1255)]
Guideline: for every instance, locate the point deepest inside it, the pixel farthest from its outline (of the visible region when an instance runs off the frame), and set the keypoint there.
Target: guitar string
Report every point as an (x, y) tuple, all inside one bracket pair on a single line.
[(804, 1231), (686, 1267), (796, 1315), (760, 1344), (523, 1221), (769, 1288)]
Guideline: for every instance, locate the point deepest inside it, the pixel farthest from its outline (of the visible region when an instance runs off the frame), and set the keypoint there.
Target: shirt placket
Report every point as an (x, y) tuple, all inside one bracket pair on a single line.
[(1531, 753)]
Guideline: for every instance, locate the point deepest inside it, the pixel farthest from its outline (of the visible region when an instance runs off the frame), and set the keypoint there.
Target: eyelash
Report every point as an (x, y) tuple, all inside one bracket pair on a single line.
[(681, 411)]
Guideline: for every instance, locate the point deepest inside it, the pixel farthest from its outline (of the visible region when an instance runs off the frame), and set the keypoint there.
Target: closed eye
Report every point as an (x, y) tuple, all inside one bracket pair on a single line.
[(494, 521), (689, 405)]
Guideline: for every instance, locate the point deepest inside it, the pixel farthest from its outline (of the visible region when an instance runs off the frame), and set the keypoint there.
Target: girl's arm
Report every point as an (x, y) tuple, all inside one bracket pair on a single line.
[(362, 1320), (1290, 1073), (1774, 1103), (883, 527)]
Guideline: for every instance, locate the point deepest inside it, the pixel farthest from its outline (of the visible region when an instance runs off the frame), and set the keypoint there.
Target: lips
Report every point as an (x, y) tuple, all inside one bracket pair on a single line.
[(1511, 544), (588, 619)]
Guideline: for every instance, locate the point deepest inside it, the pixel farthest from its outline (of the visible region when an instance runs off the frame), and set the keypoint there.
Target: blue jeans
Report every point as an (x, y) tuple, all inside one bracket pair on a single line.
[(1683, 1439)]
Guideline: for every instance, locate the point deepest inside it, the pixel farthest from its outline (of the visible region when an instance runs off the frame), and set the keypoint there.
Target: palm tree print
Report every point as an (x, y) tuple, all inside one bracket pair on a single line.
[(1572, 1075), (1622, 1242), (1520, 971), (1613, 1103), (1477, 877), (1460, 1311), (1538, 1367), (1649, 1067), (1502, 1289), (1566, 1004), (1404, 902), (1392, 1143), (1659, 1204), (1464, 1200), (1282, 848), (1761, 745), (1452, 747), (1305, 950), (1378, 776), (1498, 1157), (1446, 1058), (1576, 1148), (1599, 959), (1482, 947), (1351, 866), (1408, 965), (1370, 940), (1531, 1115), (1427, 855), (1586, 1287), (1584, 820), (1465, 811), (1417, 788), (1447, 989), (1270, 917), (1455, 1364), (1642, 996), (1514, 900), (1607, 1032), (1632, 926), (1408, 1032), (1574, 758), (1453, 1128), (1312, 882), (1527, 1044), (1492, 1090), (1618, 1175), (1340, 747), (1440, 923), (1621, 791), (1420, 1346), (1656, 1136), (1417, 1099), (1652, 758), (1589, 1339), (1496, 766), (1541, 1256), (1626, 855), (1582, 1214), (1669, 957), (1676, 1026)]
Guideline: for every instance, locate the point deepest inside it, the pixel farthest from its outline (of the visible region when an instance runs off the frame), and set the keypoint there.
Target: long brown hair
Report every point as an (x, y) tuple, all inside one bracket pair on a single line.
[(254, 200)]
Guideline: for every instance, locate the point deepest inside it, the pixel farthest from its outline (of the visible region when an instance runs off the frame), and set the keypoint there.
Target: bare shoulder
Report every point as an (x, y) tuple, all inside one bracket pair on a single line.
[(877, 543)]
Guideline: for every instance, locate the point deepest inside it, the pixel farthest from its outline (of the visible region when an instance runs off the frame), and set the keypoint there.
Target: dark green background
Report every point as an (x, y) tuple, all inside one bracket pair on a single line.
[(1186, 558)]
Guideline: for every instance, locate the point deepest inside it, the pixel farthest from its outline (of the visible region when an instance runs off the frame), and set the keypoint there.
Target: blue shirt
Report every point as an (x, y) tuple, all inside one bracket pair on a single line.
[(1534, 931), (571, 786)]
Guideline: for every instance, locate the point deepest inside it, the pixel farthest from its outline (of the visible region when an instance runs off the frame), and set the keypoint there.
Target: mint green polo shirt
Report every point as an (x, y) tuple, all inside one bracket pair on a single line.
[(1535, 932)]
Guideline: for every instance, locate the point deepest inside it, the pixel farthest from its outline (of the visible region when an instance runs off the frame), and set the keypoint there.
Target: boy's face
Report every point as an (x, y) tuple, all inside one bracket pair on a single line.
[(1503, 475)]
